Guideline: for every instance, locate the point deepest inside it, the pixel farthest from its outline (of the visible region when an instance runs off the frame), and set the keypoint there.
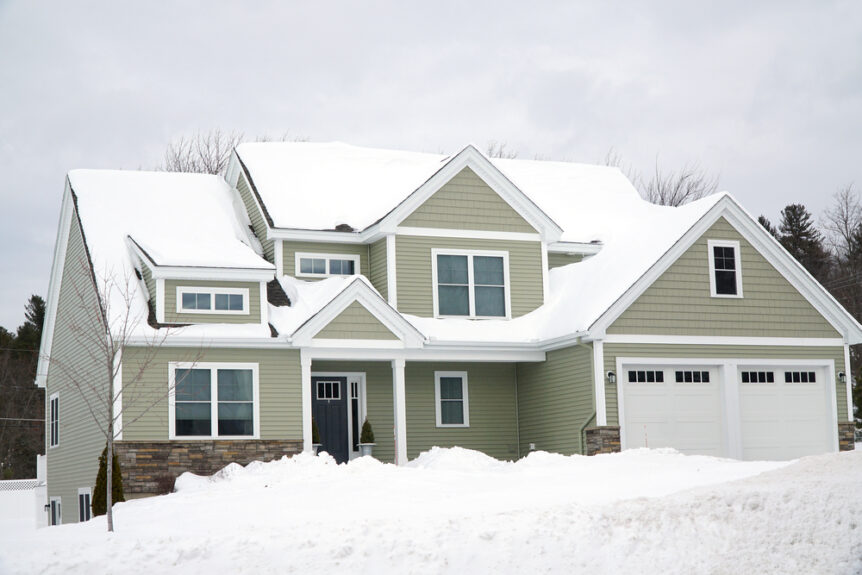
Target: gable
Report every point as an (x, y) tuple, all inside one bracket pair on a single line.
[(679, 301), (355, 322), (466, 202)]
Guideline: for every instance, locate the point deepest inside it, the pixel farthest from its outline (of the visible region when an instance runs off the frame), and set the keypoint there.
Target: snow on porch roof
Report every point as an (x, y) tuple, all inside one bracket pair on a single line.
[(318, 186)]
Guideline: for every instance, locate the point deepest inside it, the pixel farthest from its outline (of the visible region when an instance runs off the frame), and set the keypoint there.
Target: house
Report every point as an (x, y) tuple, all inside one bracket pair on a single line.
[(502, 305)]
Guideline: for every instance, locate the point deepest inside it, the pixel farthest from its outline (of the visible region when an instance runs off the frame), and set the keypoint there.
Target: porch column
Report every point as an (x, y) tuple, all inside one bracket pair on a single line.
[(305, 363), (400, 404)]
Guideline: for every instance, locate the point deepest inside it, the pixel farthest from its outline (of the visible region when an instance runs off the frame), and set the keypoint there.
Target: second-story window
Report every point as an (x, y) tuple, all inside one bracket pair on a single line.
[(325, 265), (725, 271), (471, 284), (212, 300)]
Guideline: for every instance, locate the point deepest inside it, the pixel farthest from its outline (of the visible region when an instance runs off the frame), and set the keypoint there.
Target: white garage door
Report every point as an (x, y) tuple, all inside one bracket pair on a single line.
[(784, 412), (673, 406)]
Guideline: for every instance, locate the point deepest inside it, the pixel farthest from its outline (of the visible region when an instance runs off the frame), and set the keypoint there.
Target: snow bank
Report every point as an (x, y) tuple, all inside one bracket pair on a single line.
[(458, 511)]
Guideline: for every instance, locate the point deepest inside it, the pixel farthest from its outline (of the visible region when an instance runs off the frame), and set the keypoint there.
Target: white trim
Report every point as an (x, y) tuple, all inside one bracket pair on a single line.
[(848, 382), (722, 340), (264, 305), (278, 256), (61, 243), (467, 234), (399, 400), (449, 354), (599, 383), (118, 395), (351, 376), (51, 443), (213, 366), (546, 286), (213, 292), (218, 274), (321, 236), (465, 402), (160, 300), (355, 258), (391, 277), (305, 382), (737, 261), (587, 249), (89, 493), (471, 286)]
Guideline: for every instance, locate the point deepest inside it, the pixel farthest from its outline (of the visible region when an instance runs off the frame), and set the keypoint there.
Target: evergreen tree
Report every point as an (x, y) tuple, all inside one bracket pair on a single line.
[(367, 434), (100, 491), (804, 242), (763, 221)]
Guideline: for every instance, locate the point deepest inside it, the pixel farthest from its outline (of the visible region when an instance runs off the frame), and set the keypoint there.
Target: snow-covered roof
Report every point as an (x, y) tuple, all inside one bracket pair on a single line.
[(358, 186)]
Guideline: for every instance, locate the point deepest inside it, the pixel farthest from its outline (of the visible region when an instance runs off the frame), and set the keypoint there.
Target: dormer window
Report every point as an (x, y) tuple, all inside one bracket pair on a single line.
[(725, 269), (326, 265), (212, 300), (471, 284)]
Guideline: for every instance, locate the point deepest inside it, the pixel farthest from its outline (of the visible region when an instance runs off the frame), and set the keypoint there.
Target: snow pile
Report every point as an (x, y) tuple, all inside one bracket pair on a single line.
[(457, 511)]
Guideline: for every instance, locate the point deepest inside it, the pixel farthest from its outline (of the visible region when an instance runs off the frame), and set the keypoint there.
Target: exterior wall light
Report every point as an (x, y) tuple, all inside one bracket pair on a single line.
[(612, 377), (842, 377)]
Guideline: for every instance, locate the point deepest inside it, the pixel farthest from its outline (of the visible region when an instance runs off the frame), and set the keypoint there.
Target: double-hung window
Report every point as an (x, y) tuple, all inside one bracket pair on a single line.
[(453, 407), (471, 284), (212, 400), (54, 420), (325, 265), (212, 300), (725, 268)]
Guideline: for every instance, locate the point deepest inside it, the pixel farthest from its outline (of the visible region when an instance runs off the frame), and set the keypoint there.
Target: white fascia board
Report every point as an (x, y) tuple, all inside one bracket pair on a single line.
[(722, 340), (765, 244), (470, 157), (208, 342), (323, 236), (584, 248), (223, 274), (461, 354), (233, 171), (278, 256), (61, 243), (360, 292)]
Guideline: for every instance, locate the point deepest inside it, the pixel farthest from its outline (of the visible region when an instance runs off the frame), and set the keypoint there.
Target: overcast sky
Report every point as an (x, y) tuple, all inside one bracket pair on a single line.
[(766, 95)]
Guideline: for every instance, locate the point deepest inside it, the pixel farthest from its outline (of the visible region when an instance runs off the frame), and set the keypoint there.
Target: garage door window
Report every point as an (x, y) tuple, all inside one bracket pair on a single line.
[(758, 377), (800, 377), (692, 376), (646, 376)]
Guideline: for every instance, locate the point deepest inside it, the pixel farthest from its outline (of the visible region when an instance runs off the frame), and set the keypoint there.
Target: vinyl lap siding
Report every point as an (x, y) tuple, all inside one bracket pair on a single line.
[(558, 260), (466, 202), (258, 224), (171, 315), (414, 275), (149, 282), (280, 389), (493, 419), (290, 249), (355, 322), (614, 350), (555, 398), (378, 400), (679, 302), (75, 461), (377, 267)]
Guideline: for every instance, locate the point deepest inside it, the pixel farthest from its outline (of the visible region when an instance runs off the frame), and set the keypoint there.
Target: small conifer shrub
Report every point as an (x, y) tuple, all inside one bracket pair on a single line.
[(367, 435), (100, 499)]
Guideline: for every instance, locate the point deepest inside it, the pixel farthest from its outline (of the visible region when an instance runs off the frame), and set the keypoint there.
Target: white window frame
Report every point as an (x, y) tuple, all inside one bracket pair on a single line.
[(51, 423), (213, 367), (88, 512), (471, 285), (737, 258), (466, 401), (213, 291), (298, 256), (55, 502)]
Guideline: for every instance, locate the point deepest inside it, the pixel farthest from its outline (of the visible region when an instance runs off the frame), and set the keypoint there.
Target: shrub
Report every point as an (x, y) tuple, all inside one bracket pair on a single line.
[(100, 499), (367, 435)]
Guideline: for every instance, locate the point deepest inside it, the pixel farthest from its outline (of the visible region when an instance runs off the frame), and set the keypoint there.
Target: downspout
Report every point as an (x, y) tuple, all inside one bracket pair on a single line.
[(581, 437)]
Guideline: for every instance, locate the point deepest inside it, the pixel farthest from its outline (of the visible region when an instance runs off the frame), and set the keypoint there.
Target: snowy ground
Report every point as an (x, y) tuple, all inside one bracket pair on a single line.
[(457, 511)]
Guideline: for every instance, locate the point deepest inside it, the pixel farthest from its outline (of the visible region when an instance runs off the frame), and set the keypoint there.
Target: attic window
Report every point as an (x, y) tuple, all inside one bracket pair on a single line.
[(326, 265), (212, 300), (725, 269)]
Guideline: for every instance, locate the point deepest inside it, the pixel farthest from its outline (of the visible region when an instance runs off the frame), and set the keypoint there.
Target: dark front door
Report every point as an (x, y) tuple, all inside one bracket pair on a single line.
[(329, 409)]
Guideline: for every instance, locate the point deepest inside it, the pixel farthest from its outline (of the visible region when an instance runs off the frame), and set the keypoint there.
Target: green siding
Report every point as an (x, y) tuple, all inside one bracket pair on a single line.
[(614, 350), (74, 462), (414, 275), (258, 224), (146, 372), (355, 322), (679, 302), (555, 398), (171, 315), (290, 249), (466, 202), (149, 282), (558, 260), (377, 267), (493, 419), (378, 400)]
